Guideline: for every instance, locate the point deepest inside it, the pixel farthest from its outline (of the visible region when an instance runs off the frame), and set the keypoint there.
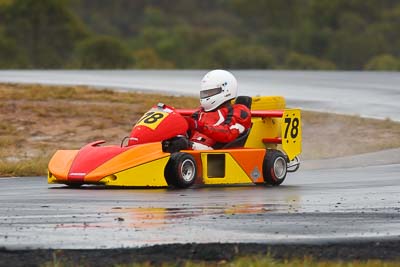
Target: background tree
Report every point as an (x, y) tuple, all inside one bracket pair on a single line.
[(11, 56), (45, 30), (383, 62), (104, 52), (296, 61), (258, 34)]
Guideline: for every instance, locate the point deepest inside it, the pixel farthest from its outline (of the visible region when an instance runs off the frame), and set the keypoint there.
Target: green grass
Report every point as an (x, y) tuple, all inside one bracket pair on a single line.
[(250, 261)]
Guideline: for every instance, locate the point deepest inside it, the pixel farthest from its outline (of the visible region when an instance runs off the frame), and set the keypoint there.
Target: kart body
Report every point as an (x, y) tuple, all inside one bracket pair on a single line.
[(269, 150)]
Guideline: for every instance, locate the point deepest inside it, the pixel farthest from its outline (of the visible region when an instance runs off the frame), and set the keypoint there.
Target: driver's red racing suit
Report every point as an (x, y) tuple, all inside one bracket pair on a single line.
[(213, 128)]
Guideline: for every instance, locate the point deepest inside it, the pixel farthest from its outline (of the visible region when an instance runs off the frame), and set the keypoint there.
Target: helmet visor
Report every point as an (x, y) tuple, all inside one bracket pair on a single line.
[(210, 92)]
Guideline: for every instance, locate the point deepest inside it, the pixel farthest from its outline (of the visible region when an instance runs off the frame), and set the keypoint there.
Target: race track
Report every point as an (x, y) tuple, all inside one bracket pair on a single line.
[(315, 205), (338, 200)]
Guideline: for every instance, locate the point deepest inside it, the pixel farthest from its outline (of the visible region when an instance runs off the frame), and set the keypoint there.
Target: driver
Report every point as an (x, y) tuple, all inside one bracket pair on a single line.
[(217, 121)]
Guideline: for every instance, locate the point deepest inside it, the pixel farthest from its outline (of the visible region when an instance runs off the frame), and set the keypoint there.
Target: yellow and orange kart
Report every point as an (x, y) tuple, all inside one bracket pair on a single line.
[(263, 155)]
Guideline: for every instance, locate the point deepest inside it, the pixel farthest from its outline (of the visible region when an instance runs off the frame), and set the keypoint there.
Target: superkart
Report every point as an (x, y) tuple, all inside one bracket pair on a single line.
[(263, 155)]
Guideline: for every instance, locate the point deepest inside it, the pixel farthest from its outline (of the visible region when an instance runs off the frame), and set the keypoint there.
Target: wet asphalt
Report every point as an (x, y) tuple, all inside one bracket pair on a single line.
[(315, 205), (352, 199)]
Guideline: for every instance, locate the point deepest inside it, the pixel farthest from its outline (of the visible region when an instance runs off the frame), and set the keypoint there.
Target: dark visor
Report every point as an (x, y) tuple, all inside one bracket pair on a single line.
[(210, 92)]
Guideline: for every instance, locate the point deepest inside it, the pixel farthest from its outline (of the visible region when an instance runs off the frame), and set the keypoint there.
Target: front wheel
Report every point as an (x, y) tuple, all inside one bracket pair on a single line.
[(74, 185), (181, 170), (274, 167)]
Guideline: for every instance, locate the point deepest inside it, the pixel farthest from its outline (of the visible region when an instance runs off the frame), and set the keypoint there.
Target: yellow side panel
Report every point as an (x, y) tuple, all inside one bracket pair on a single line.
[(263, 128), (148, 174), (268, 102), (234, 174), (291, 132)]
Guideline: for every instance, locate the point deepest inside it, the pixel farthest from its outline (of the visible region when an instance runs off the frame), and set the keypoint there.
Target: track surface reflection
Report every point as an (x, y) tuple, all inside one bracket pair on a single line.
[(317, 205)]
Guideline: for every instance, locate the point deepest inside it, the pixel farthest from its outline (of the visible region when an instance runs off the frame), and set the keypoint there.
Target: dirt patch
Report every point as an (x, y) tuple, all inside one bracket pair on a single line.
[(37, 120), (328, 135)]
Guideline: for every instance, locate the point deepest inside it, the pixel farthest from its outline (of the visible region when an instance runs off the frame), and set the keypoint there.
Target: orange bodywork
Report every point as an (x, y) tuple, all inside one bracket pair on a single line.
[(127, 160), (60, 164), (133, 157), (241, 166)]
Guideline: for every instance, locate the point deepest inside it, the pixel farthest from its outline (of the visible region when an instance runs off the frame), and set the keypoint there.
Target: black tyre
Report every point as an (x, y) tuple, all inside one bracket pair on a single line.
[(274, 167), (74, 185), (181, 170)]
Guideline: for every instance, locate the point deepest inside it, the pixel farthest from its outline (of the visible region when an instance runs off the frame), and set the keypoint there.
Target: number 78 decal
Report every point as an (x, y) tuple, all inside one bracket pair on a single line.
[(291, 132), (152, 119), (293, 125)]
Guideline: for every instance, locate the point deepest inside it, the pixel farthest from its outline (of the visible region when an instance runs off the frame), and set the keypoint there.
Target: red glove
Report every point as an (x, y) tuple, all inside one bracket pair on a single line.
[(194, 124)]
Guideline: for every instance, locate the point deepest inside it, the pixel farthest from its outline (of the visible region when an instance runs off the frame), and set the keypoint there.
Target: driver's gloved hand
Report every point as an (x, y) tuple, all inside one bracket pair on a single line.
[(175, 144), (194, 124)]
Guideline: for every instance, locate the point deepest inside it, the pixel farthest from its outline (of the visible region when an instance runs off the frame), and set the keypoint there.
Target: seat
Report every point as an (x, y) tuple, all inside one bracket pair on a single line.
[(244, 100), (238, 142), (241, 140)]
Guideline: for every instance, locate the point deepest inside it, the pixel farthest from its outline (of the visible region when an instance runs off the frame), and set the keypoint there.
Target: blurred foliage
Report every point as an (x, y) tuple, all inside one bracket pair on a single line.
[(383, 62), (298, 61), (147, 58), (242, 34), (103, 52), (46, 31), (11, 56)]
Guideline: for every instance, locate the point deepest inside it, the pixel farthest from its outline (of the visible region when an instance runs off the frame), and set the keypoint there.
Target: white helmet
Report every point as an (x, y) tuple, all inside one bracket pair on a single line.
[(217, 87)]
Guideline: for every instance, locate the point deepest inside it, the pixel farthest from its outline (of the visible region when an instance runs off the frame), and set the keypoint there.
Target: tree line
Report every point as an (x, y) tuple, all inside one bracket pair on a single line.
[(236, 34)]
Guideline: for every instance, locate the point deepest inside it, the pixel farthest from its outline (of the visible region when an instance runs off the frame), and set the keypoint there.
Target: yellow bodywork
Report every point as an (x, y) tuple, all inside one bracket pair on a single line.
[(287, 127), (142, 155), (59, 166), (291, 132), (138, 166), (232, 174), (148, 174), (229, 166), (268, 103), (262, 128), (265, 127)]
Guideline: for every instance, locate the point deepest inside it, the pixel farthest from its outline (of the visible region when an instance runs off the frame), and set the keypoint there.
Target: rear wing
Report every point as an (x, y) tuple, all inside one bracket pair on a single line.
[(271, 128)]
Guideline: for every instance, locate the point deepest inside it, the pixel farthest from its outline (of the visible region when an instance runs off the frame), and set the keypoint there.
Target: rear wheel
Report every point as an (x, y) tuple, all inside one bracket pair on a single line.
[(274, 167), (181, 170)]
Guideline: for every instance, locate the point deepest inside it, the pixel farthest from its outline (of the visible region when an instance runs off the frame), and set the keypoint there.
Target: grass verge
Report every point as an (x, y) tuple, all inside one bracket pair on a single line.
[(250, 261), (36, 166)]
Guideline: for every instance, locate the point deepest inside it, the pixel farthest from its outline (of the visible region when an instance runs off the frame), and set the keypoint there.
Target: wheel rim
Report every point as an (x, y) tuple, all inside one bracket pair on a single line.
[(187, 170), (280, 168)]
